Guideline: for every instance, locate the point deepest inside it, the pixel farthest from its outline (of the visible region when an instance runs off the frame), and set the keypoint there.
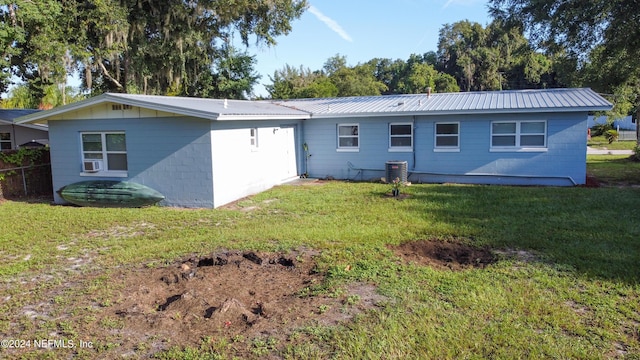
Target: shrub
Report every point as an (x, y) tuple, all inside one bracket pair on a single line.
[(601, 129), (611, 135)]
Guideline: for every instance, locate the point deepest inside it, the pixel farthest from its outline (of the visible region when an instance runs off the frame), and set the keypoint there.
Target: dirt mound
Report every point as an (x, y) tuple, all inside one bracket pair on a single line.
[(228, 295), (454, 255)]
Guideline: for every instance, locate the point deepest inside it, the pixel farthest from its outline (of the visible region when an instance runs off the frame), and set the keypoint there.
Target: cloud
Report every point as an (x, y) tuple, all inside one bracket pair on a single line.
[(458, 2), (332, 24)]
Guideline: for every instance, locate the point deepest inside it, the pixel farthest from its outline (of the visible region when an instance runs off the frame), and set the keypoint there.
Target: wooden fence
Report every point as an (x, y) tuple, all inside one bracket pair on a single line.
[(32, 177)]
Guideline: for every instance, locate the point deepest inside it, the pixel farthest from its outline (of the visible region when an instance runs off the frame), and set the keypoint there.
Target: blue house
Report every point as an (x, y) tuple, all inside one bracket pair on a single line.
[(208, 152), (196, 152), (526, 137)]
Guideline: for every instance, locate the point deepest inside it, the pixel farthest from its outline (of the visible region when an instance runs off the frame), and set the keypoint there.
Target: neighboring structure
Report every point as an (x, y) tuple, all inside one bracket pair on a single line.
[(626, 126), (206, 152), (625, 123), (13, 135)]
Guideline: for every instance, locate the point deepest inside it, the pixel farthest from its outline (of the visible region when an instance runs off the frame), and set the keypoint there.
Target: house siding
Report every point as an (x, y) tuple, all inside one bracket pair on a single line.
[(21, 135), (170, 155), (240, 170), (562, 163)]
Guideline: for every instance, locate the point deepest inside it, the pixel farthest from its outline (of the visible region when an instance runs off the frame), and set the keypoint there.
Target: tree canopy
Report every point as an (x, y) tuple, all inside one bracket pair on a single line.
[(145, 46), (601, 38), (470, 57)]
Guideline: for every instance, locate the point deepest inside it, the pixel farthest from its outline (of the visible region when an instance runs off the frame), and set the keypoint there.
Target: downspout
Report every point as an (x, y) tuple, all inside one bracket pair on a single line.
[(13, 136), (413, 141)]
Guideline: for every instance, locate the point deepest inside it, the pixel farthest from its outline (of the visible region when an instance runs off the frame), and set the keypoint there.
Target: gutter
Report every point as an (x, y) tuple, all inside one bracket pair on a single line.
[(569, 178)]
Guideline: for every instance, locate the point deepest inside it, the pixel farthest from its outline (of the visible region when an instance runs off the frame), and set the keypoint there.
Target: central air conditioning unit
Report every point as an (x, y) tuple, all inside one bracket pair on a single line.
[(91, 166)]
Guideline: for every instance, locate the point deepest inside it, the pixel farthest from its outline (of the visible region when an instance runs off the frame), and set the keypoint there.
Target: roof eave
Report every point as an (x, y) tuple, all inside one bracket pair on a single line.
[(463, 112), (243, 117)]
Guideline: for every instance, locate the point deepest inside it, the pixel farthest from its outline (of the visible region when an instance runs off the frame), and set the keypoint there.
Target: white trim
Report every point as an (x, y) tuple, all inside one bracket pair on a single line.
[(347, 150), (451, 150), (525, 149), (437, 148), (518, 137), (118, 174), (338, 136), (410, 136), (404, 149), (104, 153)]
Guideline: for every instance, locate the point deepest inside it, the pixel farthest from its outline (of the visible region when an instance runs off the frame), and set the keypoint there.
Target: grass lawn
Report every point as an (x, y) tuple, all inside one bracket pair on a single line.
[(614, 169), (566, 283), (600, 142)]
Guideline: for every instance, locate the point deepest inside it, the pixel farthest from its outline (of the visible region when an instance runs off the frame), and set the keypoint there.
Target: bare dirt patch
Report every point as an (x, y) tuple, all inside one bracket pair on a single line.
[(454, 255), (231, 295)]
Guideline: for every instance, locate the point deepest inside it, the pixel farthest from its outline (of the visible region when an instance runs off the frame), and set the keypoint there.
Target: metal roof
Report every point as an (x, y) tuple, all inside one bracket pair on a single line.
[(491, 102), (213, 109), (7, 117), (515, 101)]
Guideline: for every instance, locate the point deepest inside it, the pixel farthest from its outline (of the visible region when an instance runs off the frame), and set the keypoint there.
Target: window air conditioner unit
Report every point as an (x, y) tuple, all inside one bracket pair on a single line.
[(91, 166)]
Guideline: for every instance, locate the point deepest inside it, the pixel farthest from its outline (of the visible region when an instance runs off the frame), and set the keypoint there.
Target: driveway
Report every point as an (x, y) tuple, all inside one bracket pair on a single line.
[(592, 151)]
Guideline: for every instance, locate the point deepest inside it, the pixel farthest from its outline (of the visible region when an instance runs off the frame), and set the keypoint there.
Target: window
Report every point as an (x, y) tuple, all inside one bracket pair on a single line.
[(5, 141), (401, 137), (253, 139), (518, 134), (108, 147), (447, 137), (348, 138)]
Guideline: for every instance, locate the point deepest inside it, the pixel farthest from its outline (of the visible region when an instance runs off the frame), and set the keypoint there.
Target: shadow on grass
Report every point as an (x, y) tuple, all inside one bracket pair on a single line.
[(593, 231)]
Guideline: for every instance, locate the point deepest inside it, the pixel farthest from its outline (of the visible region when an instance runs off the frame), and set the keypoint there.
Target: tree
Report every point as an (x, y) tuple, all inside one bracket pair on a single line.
[(159, 47), (492, 58), (232, 76), (291, 83), (353, 81), (601, 36), (21, 97), (33, 48)]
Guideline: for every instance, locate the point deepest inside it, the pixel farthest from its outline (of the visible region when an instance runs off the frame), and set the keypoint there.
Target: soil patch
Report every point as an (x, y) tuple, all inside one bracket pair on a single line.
[(455, 255), (232, 295)]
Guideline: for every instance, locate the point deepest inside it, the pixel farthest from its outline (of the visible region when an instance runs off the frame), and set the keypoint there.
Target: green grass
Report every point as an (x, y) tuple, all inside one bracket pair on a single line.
[(614, 169), (600, 142), (576, 296)]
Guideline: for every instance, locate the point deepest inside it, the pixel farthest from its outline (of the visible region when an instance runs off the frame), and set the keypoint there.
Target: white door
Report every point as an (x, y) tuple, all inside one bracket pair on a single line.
[(288, 149)]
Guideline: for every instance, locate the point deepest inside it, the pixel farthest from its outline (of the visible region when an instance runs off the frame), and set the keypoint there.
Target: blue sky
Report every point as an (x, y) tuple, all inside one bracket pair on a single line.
[(362, 30)]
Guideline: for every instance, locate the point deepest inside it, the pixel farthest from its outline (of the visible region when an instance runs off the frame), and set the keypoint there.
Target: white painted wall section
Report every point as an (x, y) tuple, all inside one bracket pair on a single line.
[(242, 168)]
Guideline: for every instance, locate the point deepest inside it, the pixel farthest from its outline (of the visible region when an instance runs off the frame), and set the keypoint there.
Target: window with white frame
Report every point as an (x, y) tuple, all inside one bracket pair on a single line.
[(5, 141), (253, 138), (401, 137), (109, 148), (348, 137), (447, 136), (518, 134)]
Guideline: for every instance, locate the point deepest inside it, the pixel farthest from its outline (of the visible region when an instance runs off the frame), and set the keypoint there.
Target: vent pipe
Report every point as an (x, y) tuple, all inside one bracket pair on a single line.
[(428, 92), (226, 104)]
